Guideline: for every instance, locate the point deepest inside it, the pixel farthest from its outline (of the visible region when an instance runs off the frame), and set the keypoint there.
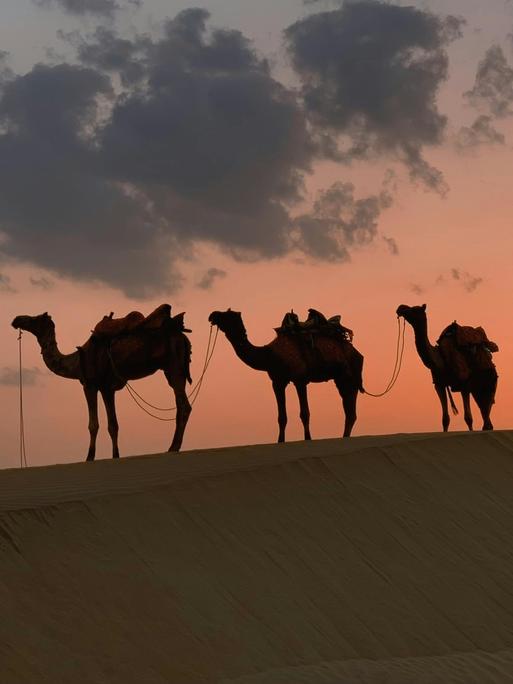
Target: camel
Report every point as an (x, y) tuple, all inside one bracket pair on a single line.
[(300, 361), (106, 364), (481, 383)]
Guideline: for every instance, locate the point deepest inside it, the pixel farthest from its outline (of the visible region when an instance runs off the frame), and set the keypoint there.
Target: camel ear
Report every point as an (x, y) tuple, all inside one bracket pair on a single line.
[(45, 314), (229, 308), (424, 307)]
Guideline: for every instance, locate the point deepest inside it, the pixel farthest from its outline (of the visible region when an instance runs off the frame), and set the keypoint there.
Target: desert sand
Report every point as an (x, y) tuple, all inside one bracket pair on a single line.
[(374, 559)]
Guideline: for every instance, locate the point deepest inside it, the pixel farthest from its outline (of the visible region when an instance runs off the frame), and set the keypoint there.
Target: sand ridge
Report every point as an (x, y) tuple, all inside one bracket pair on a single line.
[(373, 559)]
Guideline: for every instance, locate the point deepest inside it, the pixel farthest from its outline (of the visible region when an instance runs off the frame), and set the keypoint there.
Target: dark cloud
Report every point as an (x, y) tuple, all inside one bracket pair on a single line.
[(481, 132), (107, 51), (42, 283), (10, 376), (370, 74), (339, 222), (391, 244), (196, 142), (102, 8), (208, 278), (493, 87), (416, 289), (5, 285), (468, 281)]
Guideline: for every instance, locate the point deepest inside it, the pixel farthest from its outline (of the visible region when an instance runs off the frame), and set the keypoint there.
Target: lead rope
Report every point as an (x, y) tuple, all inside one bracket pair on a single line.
[(23, 453), (398, 360), (137, 398)]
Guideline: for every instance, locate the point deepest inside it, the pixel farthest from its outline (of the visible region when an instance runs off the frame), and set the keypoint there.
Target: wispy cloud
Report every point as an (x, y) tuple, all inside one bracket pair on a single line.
[(207, 279), (9, 376)]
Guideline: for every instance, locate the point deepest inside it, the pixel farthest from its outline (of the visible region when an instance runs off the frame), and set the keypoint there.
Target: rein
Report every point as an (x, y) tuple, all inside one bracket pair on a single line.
[(23, 454), (398, 360), (142, 403)]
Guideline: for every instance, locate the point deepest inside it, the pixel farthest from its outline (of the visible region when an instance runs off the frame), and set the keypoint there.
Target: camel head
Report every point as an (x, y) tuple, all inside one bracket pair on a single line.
[(37, 325), (228, 321), (412, 314)]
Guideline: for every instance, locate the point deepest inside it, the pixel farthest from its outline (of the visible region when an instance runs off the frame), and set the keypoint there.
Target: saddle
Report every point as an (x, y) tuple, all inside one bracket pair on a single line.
[(135, 321), (465, 349), (316, 323)]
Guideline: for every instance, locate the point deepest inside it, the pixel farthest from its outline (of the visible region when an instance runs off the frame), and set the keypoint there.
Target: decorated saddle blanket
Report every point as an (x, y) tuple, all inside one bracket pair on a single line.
[(316, 323), (110, 327)]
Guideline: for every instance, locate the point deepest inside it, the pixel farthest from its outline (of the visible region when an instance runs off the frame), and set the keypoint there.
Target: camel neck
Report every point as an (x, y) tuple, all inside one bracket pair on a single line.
[(427, 352), (65, 365), (252, 356)]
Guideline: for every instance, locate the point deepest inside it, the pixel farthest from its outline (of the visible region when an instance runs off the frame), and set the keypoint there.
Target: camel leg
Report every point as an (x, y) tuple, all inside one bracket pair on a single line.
[(110, 408), (349, 396), (485, 404), (304, 411), (442, 395), (183, 408), (279, 393), (91, 395), (467, 412)]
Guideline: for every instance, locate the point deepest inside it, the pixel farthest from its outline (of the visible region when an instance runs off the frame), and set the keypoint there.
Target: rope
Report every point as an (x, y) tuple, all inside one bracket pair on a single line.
[(193, 394), (398, 360), (23, 454)]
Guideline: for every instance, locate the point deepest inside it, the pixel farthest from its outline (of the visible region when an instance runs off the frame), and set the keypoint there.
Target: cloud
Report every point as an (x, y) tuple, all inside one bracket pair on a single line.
[(469, 282), (339, 222), (416, 289), (370, 74), (493, 87), (106, 51), (208, 278), (5, 285), (196, 142), (481, 132), (207, 146), (42, 283), (391, 244), (10, 376), (102, 8)]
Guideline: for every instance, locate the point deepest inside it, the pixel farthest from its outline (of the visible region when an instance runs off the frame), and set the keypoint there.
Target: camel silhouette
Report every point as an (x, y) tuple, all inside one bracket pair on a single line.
[(105, 364), (290, 358), (481, 382)]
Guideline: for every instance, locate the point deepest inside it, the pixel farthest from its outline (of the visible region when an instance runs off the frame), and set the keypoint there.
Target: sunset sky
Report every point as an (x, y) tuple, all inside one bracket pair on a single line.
[(347, 156)]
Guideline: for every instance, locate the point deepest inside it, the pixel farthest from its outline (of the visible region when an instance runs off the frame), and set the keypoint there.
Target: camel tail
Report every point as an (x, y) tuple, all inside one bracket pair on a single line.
[(454, 408)]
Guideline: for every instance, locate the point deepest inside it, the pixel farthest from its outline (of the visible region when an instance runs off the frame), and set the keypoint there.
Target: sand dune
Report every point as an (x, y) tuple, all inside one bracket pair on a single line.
[(374, 559)]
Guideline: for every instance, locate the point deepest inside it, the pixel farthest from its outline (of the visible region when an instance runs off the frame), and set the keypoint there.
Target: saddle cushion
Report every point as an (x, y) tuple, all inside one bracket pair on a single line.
[(110, 327)]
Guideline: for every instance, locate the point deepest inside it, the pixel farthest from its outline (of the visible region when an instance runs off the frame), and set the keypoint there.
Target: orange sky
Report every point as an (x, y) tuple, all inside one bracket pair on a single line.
[(469, 230)]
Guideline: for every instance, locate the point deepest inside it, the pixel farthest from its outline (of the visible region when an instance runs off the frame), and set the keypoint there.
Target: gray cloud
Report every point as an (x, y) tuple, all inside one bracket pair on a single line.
[(339, 222), (370, 72), (10, 376), (391, 244), (207, 146), (199, 143), (481, 132), (42, 283), (468, 281), (102, 8), (5, 285), (493, 87), (107, 51), (416, 289), (207, 280)]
